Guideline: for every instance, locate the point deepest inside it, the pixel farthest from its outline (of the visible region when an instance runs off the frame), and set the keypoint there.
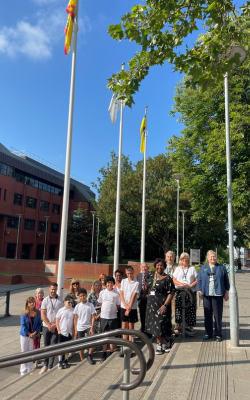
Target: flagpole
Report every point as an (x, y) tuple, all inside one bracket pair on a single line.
[(66, 189), (143, 219), (118, 194)]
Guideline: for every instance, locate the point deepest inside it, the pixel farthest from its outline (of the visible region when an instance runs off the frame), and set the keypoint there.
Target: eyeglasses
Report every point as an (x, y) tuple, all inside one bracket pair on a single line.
[(77, 283), (69, 302)]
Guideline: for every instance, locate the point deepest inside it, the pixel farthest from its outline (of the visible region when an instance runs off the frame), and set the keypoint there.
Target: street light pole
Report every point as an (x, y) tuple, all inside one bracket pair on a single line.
[(44, 248), (183, 242), (19, 216), (177, 177), (92, 247), (97, 242)]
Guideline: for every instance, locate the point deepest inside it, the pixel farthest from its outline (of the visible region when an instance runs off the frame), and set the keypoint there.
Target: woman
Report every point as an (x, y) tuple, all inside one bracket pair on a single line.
[(213, 286), (185, 277), (102, 280), (39, 295), (158, 314), (30, 326), (73, 291), (93, 298)]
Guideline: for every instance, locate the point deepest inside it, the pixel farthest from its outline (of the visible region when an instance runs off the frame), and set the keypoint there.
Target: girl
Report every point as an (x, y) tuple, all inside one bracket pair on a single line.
[(30, 326)]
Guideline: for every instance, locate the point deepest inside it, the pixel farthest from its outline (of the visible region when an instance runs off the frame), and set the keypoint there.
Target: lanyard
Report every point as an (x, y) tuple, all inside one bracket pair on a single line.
[(155, 279), (184, 274), (53, 305)]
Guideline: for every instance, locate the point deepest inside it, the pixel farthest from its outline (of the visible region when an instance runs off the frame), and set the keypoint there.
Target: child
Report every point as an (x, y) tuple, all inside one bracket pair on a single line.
[(30, 326), (128, 292), (65, 327), (84, 319), (110, 303)]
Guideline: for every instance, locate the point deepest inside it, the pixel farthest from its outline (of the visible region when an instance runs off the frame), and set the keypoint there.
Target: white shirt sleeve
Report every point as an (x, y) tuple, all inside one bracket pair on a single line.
[(122, 285), (100, 298), (136, 287), (76, 309), (118, 300), (44, 304), (92, 309), (175, 274), (58, 315)]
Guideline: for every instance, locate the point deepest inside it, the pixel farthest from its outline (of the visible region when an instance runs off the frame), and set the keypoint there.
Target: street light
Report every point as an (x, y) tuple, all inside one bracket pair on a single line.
[(19, 216), (183, 214), (92, 247), (233, 298), (177, 177), (44, 248), (97, 242)]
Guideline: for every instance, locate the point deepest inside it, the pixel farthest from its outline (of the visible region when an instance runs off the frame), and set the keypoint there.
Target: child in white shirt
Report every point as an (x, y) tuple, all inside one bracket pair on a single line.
[(65, 328)]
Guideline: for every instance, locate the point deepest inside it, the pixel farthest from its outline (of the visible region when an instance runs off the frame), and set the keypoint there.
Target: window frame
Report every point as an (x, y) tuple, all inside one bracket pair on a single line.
[(18, 194), (32, 198), (29, 220), (44, 201)]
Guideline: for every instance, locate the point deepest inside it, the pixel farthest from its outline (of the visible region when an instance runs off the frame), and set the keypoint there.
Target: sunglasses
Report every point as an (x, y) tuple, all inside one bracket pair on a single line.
[(69, 302), (77, 283)]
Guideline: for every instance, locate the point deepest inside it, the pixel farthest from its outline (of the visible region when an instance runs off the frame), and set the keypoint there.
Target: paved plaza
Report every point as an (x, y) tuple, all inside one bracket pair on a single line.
[(193, 370)]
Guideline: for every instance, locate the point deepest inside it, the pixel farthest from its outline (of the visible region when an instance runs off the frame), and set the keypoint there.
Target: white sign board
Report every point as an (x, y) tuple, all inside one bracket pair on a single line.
[(50, 268), (195, 256)]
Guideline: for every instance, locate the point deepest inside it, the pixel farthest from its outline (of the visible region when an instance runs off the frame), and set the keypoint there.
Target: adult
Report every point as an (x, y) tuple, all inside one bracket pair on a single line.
[(39, 295), (142, 300), (213, 286), (93, 298), (185, 277), (171, 266), (50, 306), (158, 315), (73, 291), (102, 280)]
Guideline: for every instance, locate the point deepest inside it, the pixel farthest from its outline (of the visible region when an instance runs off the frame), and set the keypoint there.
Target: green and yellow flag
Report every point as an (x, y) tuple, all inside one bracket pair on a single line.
[(142, 132)]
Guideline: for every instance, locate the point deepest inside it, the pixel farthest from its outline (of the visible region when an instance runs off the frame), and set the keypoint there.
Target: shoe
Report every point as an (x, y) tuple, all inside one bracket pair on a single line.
[(206, 337), (132, 355), (43, 370), (24, 372), (66, 364), (121, 354), (104, 357), (60, 365), (192, 330), (159, 349), (218, 339), (90, 360), (189, 332), (169, 345)]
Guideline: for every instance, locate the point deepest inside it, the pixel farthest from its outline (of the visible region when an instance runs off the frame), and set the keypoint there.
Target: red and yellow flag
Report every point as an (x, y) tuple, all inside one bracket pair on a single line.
[(71, 10)]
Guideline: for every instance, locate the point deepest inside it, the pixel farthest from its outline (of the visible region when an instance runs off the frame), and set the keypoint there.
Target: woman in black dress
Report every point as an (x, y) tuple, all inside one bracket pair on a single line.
[(160, 289)]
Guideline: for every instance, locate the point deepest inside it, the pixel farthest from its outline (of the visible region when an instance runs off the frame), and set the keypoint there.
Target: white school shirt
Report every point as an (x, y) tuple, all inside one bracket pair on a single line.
[(51, 306), (109, 300), (84, 312), (128, 289), (187, 274), (66, 323)]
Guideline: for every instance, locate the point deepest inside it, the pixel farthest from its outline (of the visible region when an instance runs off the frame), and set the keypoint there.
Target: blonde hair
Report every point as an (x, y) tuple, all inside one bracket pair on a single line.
[(181, 258), (26, 308), (71, 290), (93, 286), (210, 252), (102, 276)]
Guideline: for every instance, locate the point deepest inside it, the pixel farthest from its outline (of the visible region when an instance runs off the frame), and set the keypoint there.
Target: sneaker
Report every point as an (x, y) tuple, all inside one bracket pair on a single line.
[(24, 372), (90, 360), (66, 364), (192, 330), (159, 349), (121, 354), (43, 370), (104, 357), (60, 365), (189, 332), (169, 345)]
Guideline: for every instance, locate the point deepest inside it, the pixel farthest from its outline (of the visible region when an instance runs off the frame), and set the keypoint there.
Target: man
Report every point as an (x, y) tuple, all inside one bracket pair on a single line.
[(49, 308), (142, 302), (170, 268)]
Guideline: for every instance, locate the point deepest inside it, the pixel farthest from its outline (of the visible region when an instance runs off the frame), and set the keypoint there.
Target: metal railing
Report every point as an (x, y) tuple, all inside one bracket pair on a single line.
[(184, 306)]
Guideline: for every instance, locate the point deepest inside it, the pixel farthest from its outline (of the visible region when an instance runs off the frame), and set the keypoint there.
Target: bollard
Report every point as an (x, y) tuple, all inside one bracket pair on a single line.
[(127, 353), (7, 307), (183, 314)]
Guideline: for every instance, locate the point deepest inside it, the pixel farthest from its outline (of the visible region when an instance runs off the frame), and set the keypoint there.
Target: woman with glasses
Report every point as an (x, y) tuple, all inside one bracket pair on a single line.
[(213, 287), (73, 291), (185, 277)]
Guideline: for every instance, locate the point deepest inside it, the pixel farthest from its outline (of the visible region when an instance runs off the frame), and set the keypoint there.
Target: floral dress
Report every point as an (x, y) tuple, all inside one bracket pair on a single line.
[(159, 325), (94, 300)]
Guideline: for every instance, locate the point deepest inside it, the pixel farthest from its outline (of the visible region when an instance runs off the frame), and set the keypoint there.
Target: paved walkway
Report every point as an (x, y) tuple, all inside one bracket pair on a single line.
[(193, 370)]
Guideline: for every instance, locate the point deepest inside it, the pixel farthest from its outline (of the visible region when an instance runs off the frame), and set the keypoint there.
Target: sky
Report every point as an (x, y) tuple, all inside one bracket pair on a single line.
[(35, 83)]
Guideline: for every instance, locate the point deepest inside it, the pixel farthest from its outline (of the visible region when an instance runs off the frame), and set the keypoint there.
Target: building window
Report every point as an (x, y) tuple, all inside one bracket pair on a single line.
[(12, 222), (30, 202), (42, 226), (44, 205), (56, 209), (54, 228), (18, 199), (4, 196), (29, 224), (0, 193)]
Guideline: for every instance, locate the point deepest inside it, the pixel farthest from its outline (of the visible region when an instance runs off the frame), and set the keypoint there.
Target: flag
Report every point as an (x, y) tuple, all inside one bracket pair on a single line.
[(142, 132), (71, 10), (114, 107)]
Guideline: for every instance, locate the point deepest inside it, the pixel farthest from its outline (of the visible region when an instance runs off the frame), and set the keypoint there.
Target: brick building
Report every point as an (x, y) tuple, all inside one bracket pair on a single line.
[(31, 202)]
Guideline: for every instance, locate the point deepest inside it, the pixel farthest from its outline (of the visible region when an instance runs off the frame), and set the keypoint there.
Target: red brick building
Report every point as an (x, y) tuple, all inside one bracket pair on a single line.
[(31, 206)]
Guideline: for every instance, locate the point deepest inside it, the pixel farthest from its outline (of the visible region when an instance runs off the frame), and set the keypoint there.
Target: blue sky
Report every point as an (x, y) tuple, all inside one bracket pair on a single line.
[(35, 82)]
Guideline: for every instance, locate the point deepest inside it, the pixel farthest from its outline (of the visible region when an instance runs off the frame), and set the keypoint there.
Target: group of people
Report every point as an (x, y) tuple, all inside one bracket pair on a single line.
[(112, 304)]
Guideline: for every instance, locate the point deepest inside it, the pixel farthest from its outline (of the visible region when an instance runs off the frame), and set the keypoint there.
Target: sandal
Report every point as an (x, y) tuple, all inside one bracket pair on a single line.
[(206, 337)]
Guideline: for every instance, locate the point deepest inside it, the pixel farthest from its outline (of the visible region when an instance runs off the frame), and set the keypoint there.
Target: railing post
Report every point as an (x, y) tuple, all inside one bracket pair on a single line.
[(127, 353), (183, 314), (7, 307)]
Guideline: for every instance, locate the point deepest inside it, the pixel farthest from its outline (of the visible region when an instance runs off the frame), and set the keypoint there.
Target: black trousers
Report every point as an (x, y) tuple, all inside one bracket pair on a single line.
[(213, 305), (49, 339), (142, 310), (62, 339)]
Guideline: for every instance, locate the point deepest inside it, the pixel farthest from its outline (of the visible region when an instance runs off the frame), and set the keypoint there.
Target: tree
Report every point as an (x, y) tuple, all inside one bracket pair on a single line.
[(79, 235)]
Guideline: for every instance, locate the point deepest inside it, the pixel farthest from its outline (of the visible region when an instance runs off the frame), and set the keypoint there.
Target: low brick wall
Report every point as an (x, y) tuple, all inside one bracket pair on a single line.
[(10, 279)]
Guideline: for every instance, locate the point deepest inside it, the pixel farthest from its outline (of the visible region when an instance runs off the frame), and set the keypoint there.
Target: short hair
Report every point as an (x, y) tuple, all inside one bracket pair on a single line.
[(182, 256), (39, 290), (53, 284), (170, 251), (102, 276), (109, 278), (82, 291), (93, 286), (129, 268), (146, 264), (158, 260), (211, 252), (118, 271)]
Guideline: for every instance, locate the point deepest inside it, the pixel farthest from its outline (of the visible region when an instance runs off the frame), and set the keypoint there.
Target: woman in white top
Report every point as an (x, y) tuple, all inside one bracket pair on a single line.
[(185, 276)]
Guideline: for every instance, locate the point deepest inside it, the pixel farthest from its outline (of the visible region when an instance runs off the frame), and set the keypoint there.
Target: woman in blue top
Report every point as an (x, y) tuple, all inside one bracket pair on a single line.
[(30, 326), (213, 286)]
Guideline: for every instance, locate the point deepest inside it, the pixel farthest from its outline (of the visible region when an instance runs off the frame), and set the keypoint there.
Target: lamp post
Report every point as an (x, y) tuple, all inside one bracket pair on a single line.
[(97, 242), (183, 242), (92, 247), (19, 216), (177, 177), (45, 238)]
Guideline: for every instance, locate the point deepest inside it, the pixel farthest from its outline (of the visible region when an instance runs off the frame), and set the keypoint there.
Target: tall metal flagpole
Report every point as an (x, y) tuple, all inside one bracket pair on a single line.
[(143, 223), (63, 236), (118, 194)]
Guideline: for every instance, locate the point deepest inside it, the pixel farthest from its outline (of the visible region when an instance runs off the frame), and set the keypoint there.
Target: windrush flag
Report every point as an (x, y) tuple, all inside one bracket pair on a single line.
[(114, 107), (71, 10), (142, 132)]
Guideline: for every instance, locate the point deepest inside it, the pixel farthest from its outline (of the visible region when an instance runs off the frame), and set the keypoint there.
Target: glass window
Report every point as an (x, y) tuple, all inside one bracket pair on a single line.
[(54, 228), (30, 202), (42, 226), (18, 199), (29, 224), (56, 209), (44, 205), (4, 168), (12, 222)]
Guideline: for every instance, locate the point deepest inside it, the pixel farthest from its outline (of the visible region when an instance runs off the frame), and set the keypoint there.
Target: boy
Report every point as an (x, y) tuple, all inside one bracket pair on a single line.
[(110, 303), (128, 293), (65, 327), (84, 319)]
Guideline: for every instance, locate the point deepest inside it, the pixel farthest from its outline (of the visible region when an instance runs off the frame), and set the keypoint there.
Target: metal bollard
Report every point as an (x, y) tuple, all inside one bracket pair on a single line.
[(7, 307), (127, 353), (183, 314)]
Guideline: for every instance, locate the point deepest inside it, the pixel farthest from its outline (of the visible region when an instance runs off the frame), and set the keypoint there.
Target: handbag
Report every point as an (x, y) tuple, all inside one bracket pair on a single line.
[(36, 340)]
